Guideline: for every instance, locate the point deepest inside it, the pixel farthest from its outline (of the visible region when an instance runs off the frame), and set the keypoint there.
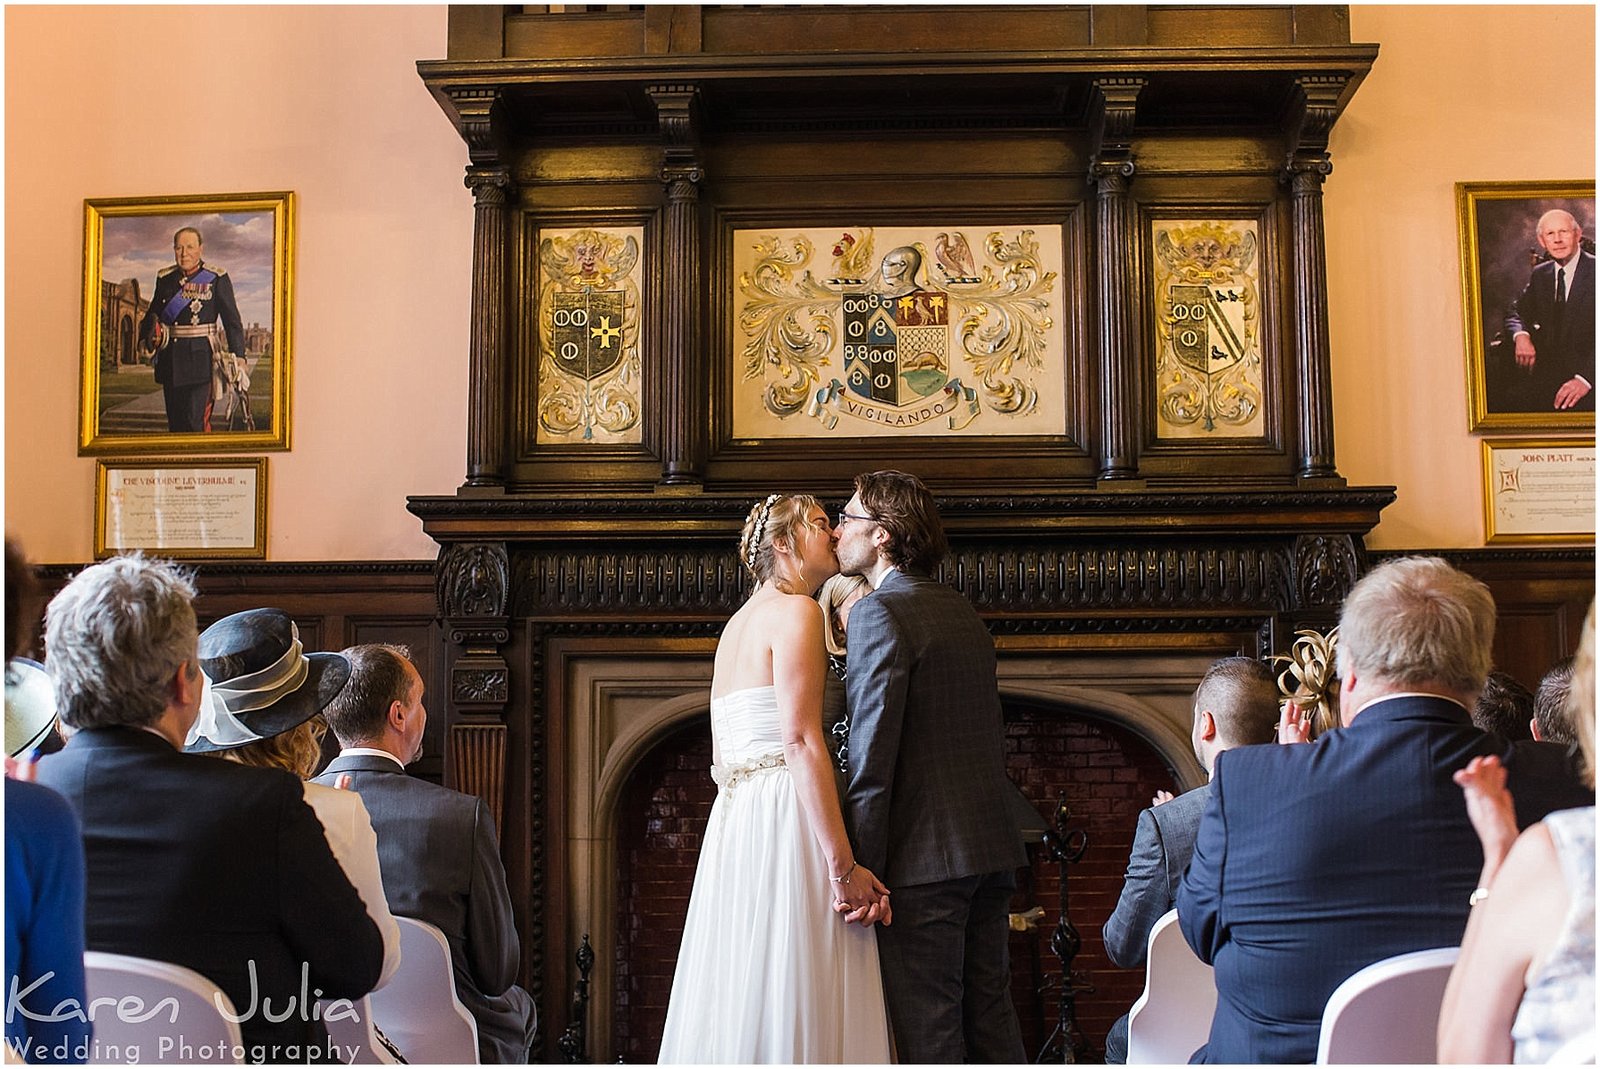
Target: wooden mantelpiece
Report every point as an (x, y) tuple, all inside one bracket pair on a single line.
[(686, 124)]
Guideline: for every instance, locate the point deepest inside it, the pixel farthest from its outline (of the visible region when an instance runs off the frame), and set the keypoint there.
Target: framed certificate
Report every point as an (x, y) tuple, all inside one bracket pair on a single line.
[(1538, 490), (209, 508)]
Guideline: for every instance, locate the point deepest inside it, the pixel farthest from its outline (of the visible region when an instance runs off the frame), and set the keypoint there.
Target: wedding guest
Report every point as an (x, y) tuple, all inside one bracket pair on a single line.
[(211, 865), (1236, 704), (437, 847), (1505, 708), (1550, 723), (837, 596), (1523, 988), (283, 729), (44, 883)]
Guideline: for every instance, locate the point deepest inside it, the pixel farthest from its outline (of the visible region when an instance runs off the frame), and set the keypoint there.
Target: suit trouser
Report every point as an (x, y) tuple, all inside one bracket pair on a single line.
[(947, 971), (186, 406)]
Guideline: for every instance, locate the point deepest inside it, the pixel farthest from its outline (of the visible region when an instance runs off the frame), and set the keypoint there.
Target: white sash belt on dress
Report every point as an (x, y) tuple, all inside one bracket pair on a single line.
[(727, 777)]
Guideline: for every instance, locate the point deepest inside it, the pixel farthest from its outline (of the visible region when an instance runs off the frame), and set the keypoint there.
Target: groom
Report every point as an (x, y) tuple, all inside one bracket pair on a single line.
[(926, 800)]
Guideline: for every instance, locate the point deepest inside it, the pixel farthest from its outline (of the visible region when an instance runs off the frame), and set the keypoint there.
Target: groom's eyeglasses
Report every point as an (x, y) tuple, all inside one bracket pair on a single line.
[(846, 517)]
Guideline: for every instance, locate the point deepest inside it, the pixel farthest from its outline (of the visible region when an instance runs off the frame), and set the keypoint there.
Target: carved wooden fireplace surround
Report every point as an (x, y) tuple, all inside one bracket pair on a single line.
[(582, 586)]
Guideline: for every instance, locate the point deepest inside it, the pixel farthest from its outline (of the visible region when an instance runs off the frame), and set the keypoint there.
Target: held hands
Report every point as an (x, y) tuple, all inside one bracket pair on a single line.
[(1489, 807), (1572, 391), (862, 898), (1293, 726)]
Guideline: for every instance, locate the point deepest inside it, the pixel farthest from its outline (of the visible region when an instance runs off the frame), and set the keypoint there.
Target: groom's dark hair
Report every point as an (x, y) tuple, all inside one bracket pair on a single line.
[(904, 508)]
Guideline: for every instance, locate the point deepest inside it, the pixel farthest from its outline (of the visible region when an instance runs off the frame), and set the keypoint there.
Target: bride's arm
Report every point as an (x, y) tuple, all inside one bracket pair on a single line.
[(799, 668)]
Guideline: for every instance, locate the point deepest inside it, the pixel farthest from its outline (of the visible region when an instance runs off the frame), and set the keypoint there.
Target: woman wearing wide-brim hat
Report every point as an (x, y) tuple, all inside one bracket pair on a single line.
[(262, 704)]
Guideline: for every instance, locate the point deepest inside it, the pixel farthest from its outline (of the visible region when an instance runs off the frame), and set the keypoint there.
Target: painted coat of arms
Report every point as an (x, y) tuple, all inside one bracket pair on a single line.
[(1208, 329), (589, 335), (922, 338)]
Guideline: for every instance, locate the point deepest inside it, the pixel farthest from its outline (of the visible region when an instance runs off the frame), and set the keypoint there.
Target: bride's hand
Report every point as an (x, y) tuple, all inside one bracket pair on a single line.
[(862, 898)]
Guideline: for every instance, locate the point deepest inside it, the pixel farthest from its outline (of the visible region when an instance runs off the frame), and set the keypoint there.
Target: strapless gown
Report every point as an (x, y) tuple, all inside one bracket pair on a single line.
[(768, 973)]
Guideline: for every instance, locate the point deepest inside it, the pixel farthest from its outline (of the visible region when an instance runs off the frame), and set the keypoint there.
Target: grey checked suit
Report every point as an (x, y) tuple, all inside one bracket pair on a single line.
[(441, 864), (927, 809), (1162, 846)]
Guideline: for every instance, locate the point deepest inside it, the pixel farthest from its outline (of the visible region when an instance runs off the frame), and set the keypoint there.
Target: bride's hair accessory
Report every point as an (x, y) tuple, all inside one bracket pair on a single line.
[(1310, 680), (755, 533)]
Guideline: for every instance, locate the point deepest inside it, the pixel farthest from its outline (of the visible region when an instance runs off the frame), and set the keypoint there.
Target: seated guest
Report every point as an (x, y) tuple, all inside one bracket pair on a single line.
[(44, 875), (1505, 708), (437, 847), (1236, 704), (1550, 723), (207, 864), (1523, 987), (236, 654), (1315, 860)]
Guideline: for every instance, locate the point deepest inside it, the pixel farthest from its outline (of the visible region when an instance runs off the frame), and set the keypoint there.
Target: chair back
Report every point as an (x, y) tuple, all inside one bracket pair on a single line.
[(1172, 1018), (352, 1034), (1387, 1012), (178, 1018), (418, 1009)]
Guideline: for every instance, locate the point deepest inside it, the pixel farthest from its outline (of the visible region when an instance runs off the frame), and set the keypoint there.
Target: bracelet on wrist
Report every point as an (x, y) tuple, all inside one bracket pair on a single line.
[(845, 875)]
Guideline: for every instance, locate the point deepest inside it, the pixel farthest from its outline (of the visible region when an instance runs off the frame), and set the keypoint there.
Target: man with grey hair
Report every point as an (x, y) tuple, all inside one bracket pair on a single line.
[(211, 865), (1551, 325), (1236, 704), (1550, 723), (1316, 860)]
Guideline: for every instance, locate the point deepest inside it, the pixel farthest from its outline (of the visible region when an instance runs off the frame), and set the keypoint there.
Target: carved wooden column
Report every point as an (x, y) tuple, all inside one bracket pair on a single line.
[(474, 582), (684, 410), (490, 182), (1306, 169), (1110, 170)]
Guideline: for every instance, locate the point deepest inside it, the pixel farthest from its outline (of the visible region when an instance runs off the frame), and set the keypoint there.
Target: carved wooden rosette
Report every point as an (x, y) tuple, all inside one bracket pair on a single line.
[(682, 369), (1110, 171), (1317, 106), (474, 581)]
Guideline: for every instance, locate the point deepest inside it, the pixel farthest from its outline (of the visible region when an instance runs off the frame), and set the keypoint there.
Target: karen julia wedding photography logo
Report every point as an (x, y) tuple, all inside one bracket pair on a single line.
[(173, 1045)]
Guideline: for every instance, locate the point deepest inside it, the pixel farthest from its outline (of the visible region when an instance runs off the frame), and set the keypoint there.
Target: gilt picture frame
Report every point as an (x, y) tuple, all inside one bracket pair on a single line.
[(187, 318), (1521, 354)]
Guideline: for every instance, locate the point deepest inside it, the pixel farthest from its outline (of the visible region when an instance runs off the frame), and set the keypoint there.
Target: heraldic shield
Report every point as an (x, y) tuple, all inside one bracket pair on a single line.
[(588, 332), (896, 348), (1205, 336)]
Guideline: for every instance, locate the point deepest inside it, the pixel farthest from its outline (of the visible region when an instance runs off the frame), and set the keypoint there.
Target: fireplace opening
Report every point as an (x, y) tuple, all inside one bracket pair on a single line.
[(1106, 771)]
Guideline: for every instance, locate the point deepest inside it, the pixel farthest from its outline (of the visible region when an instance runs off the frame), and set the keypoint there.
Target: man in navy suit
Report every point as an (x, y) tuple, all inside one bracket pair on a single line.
[(1236, 704), (1552, 324), (437, 847), (927, 800), (1316, 860)]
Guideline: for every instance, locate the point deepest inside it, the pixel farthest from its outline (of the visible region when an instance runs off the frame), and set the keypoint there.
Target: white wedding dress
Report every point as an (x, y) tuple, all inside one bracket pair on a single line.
[(768, 972)]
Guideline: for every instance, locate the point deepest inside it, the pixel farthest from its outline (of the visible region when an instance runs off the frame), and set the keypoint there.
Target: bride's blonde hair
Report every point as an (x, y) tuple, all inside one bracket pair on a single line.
[(777, 516)]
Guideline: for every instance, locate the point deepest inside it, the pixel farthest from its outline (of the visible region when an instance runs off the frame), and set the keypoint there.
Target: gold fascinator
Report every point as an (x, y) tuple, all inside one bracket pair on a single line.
[(1309, 678)]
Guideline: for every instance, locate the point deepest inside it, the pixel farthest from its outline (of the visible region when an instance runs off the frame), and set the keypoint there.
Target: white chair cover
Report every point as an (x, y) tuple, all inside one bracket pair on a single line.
[(1387, 1013), (418, 1009), (1172, 1019), (190, 1029)]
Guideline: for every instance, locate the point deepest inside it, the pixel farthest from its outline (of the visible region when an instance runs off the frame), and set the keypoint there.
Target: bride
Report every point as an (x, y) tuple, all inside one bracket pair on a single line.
[(769, 972)]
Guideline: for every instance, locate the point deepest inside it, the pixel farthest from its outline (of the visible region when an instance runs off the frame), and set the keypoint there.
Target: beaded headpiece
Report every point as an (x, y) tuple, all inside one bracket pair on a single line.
[(763, 512)]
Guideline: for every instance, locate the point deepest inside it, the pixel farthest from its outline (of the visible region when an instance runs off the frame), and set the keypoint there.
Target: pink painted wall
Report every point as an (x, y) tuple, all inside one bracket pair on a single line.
[(326, 101), (138, 101), (1459, 94)]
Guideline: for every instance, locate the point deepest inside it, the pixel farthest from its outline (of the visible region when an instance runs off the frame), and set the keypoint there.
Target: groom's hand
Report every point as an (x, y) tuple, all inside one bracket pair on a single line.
[(862, 898)]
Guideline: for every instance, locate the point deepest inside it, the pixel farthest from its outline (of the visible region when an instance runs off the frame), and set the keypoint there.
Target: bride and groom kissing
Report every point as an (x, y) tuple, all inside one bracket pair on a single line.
[(869, 924)]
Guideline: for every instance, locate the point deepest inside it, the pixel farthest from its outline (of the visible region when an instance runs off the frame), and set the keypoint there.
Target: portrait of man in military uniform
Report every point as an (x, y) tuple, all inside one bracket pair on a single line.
[(191, 311), (188, 345)]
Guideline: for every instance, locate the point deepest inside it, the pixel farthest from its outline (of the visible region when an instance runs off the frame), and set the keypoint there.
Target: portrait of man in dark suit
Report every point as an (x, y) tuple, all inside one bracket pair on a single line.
[(1531, 273)]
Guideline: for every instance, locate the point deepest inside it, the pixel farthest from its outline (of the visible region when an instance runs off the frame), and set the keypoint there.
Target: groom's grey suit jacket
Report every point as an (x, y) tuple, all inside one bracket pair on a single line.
[(927, 794)]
